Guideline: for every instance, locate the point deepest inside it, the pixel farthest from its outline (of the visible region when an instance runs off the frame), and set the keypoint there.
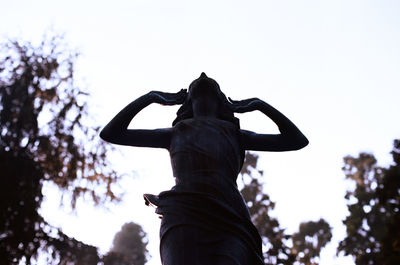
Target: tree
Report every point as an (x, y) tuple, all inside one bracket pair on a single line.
[(129, 246), (302, 247), (373, 230), (45, 137)]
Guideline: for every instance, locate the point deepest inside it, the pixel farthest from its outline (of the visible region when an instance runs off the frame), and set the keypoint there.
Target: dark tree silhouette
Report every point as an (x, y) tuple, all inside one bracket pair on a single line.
[(373, 224), (302, 247), (44, 137), (129, 246)]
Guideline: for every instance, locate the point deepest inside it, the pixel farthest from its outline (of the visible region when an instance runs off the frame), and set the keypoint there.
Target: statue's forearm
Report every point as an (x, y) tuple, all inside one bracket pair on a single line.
[(286, 127), (121, 121)]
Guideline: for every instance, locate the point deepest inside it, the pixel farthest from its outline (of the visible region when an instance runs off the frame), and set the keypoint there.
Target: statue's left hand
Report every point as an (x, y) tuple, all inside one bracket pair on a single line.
[(246, 105), (165, 98)]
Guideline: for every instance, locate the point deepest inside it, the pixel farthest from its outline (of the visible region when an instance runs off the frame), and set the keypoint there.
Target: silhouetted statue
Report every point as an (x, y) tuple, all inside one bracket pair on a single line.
[(205, 220)]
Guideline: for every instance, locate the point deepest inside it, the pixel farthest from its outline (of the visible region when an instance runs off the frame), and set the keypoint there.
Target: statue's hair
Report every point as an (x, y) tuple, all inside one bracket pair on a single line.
[(224, 113)]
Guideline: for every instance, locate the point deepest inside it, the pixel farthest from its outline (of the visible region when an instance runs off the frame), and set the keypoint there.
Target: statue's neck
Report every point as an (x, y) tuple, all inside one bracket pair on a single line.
[(205, 108)]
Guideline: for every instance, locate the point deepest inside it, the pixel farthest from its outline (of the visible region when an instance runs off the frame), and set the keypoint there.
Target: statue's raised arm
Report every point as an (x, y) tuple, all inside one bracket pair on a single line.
[(117, 132), (290, 137)]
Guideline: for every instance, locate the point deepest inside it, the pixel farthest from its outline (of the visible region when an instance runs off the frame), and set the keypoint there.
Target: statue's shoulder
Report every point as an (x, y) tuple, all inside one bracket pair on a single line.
[(204, 123), (183, 123)]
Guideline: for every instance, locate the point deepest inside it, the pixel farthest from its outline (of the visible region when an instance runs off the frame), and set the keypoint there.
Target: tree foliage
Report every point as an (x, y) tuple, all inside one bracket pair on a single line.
[(302, 247), (129, 246), (44, 137), (373, 224)]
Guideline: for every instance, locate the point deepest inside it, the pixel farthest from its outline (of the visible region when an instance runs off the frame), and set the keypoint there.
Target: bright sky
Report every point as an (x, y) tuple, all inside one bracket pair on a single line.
[(331, 66)]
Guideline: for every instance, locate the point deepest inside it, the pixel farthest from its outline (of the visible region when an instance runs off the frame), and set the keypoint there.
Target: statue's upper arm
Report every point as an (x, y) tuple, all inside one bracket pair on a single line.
[(157, 138), (264, 142)]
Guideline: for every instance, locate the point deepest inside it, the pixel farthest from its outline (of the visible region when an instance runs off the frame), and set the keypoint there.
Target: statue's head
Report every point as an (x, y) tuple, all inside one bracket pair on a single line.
[(204, 87), (205, 93)]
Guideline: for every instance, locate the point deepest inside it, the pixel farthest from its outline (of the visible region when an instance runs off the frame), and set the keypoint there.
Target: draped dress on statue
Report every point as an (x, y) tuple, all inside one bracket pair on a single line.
[(204, 217)]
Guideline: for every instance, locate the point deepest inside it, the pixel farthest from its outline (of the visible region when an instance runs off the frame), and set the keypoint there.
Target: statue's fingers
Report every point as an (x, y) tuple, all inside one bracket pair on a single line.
[(181, 97), (231, 100)]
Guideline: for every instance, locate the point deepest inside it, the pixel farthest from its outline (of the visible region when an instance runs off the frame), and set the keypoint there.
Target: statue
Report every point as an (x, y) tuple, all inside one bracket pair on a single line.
[(205, 220)]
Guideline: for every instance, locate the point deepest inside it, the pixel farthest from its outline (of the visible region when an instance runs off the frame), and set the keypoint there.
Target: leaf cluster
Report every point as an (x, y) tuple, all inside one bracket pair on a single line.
[(129, 246), (302, 247), (44, 136), (373, 231)]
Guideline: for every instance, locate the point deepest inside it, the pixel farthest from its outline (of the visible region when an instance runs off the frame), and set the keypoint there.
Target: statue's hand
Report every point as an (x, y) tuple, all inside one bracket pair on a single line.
[(246, 105), (165, 98)]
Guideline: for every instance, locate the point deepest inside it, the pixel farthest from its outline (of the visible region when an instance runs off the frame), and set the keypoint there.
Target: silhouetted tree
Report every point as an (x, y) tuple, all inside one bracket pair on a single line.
[(44, 137), (129, 246), (302, 247), (373, 224)]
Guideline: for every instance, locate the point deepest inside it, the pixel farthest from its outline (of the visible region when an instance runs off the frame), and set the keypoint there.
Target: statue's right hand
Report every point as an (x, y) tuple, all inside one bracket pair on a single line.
[(165, 98), (246, 105)]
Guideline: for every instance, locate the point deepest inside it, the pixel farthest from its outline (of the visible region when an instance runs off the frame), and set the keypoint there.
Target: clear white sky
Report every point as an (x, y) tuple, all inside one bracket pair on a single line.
[(330, 66)]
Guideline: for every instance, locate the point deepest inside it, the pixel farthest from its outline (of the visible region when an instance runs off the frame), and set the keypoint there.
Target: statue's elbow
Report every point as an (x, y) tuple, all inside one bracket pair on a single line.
[(105, 135), (301, 143), (110, 135), (298, 143)]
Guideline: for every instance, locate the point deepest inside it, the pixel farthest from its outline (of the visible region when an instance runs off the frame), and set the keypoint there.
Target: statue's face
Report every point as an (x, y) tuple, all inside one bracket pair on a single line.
[(203, 87), (203, 92)]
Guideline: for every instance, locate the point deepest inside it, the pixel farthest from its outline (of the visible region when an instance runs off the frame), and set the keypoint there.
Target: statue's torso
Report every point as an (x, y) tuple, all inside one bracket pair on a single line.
[(206, 157), (206, 151)]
